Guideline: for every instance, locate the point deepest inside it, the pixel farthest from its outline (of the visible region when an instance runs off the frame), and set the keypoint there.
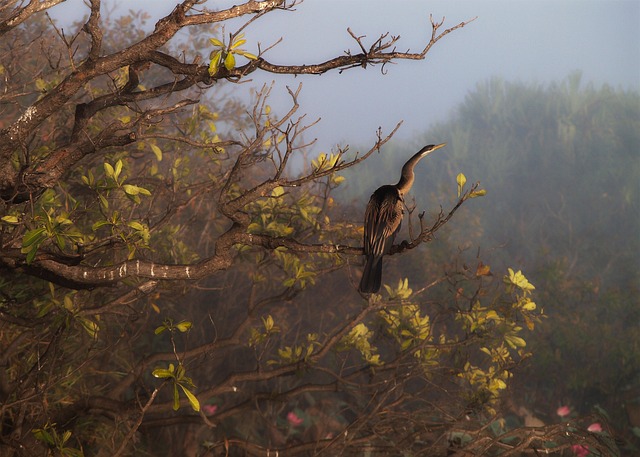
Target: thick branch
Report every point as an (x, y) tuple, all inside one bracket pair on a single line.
[(19, 15)]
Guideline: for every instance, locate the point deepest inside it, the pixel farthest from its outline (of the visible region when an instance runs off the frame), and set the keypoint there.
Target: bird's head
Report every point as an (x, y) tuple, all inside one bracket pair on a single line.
[(430, 148)]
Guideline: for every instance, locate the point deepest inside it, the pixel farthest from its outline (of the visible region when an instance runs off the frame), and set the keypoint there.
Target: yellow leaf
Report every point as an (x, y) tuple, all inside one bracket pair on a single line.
[(230, 62), (216, 42), (461, 179), (478, 193)]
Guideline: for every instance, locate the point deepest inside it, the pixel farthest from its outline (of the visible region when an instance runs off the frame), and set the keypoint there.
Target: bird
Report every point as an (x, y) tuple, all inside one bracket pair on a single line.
[(382, 220)]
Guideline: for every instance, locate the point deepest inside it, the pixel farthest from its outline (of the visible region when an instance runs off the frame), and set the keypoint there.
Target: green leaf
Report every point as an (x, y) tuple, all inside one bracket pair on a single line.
[(103, 201), (162, 373), (90, 327), (193, 400), (215, 62), (99, 224), (160, 329), (31, 255), (44, 436), (176, 397), (33, 237), (136, 226)]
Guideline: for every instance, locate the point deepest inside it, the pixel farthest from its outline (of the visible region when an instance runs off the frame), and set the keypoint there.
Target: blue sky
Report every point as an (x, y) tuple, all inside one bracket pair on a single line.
[(532, 41)]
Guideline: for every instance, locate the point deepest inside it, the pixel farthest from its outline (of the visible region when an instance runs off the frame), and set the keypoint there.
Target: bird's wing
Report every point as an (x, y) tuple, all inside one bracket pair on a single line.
[(382, 221)]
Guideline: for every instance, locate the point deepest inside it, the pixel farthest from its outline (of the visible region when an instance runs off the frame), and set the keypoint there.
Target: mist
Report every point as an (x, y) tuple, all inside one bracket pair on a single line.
[(540, 41)]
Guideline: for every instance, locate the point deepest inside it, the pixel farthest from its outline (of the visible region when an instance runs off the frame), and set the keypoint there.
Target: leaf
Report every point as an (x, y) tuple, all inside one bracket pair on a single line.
[(216, 42), (238, 43), (43, 435), (41, 84), (246, 54), (33, 237), (161, 373), (515, 341), (176, 397), (164, 372), (10, 219), (108, 170), (99, 224), (478, 193), (519, 280), (193, 400), (65, 436), (132, 190), (118, 169), (230, 61), (136, 226), (483, 270), (461, 179), (215, 62), (157, 151), (90, 327), (103, 201), (184, 326)]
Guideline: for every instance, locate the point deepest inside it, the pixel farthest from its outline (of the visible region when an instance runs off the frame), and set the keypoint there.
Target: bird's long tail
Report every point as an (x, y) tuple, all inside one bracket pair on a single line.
[(372, 275)]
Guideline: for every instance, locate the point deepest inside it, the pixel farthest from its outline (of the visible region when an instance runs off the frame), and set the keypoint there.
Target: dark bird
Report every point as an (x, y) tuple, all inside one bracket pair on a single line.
[(382, 220)]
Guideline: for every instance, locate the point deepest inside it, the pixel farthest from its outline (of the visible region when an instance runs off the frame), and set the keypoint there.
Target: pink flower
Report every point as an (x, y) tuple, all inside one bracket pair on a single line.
[(209, 410), (595, 427), (293, 419), (580, 450), (563, 411)]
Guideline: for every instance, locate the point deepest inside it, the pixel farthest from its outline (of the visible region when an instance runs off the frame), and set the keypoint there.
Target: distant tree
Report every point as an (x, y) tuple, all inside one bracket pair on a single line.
[(561, 163), (171, 287)]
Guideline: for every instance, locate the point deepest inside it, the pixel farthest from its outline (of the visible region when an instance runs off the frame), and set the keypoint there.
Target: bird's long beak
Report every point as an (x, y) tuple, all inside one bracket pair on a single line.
[(429, 149)]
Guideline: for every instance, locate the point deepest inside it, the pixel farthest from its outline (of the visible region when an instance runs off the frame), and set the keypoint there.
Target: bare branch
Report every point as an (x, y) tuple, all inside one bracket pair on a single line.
[(21, 14)]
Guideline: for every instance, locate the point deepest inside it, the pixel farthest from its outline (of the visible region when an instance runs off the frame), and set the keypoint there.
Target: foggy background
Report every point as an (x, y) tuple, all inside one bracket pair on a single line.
[(537, 41)]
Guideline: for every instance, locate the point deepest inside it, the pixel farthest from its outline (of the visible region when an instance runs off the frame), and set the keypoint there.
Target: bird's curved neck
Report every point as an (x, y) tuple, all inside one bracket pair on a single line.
[(408, 176)]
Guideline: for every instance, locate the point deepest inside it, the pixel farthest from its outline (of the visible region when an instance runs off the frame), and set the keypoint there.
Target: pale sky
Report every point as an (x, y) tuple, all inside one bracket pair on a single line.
[(527, 41)]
